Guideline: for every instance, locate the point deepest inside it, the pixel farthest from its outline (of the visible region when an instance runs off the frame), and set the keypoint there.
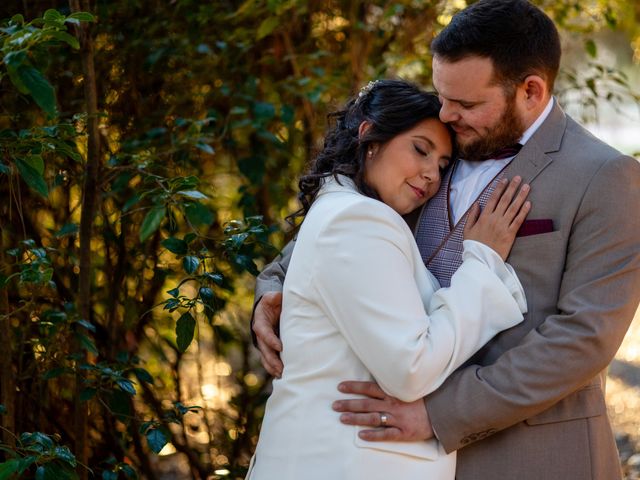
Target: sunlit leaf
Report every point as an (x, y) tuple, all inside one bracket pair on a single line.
[(591, 48), (267, 26), (193, 194)]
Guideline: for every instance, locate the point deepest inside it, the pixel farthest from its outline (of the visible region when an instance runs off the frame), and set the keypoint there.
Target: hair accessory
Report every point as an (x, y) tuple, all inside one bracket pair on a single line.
[(364, 91)]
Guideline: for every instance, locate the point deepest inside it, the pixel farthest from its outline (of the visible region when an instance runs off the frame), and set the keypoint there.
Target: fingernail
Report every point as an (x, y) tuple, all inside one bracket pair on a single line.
[(517, 178), (525, 187), (335, 406), (341, 387)]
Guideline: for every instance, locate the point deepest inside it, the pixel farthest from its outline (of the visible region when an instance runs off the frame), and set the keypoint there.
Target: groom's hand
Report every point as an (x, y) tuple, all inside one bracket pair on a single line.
[(406, 422), (266, 320)]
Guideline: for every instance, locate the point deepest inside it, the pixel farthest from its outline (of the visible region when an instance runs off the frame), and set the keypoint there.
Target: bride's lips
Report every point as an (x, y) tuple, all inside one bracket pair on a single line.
[(418, 191)]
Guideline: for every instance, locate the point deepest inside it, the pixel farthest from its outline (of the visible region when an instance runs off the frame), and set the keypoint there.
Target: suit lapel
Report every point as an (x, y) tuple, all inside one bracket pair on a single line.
[(533, 157)]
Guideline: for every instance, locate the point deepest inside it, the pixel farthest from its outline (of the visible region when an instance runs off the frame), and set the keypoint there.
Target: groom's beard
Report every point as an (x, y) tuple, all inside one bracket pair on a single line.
[(507, 131)]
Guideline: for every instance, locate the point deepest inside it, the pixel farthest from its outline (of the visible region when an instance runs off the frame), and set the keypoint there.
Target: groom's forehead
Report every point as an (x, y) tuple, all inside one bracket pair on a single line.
[(467, 79)]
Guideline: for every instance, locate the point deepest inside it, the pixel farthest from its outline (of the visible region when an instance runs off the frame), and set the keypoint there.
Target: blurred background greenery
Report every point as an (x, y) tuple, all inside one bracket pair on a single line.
[(149, 154)]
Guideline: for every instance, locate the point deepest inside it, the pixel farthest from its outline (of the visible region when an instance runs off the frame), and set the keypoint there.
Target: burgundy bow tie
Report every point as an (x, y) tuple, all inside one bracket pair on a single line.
[(502, 153)]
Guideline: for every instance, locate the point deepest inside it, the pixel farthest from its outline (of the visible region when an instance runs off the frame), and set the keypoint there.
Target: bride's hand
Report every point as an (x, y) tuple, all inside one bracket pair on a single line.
[(501, 218)]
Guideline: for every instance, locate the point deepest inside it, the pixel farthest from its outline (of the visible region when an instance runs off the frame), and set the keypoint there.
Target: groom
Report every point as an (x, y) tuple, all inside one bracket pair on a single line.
[(530, 404)]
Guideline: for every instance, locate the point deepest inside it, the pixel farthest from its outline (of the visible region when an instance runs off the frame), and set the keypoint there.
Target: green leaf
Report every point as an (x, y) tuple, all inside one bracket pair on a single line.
[(156, 439), (55, 471), (54, 17), (591, 48), (185, 328), (81, 16), (87, 344), (4, 169), (39, 88), (3, 409), (193, 194), (267, 26), (198, 214), (175, 245), (68, 229), (25, 463), (151, 222), (143, 375), (205, 147), (190, 264), (36, 162), (88, 325), (64, 454), (264, 111), (64, 37), (108, 475), (126, 385), (8, 468), (32, 178)]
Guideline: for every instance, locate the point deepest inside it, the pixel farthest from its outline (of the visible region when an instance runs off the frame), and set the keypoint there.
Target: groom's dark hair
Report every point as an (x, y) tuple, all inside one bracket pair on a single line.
[(517, 36)]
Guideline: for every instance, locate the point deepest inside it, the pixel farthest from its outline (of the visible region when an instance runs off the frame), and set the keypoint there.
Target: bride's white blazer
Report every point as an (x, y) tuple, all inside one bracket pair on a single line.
[(359, 304)]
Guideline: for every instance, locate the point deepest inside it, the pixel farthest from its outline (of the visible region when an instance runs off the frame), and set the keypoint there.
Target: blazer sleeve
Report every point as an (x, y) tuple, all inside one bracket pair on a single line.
[(363, 271), (598, 297)]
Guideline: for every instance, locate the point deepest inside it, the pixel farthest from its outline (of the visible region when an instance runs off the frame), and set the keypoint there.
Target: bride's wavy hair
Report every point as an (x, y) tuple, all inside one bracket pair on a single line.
[(390, 107)]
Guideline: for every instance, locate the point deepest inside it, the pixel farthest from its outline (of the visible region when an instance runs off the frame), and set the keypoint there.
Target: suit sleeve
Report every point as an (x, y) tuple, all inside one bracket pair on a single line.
[(598, 297), (272, 277), (364, 275)]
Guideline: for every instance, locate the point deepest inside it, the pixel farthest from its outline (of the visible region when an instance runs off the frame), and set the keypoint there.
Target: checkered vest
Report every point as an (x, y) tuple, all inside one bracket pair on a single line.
[(439, 243)]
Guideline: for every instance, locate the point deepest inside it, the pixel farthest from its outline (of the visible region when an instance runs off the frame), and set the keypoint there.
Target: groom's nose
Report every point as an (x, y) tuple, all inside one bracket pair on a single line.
[(448, 112)]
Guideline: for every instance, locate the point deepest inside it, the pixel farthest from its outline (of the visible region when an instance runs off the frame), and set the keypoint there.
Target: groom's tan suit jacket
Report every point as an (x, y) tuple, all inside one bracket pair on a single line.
[(530, 405)]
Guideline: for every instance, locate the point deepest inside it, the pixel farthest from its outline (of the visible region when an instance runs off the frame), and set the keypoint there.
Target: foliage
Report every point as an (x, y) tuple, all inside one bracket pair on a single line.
[(208, 113)]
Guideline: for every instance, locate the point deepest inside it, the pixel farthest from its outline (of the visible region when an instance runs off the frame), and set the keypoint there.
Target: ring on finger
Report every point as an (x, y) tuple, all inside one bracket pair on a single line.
[(384, 419)]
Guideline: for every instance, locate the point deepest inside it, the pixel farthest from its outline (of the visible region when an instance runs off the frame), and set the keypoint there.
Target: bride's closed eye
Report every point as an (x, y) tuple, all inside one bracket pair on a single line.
[(419, 150)]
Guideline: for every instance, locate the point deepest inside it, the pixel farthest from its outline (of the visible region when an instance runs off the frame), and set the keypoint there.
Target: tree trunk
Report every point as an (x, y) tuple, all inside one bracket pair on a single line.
[(89, 198)]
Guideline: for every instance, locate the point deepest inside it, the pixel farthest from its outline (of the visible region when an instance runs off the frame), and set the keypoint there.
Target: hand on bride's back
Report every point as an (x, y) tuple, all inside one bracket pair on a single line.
[(496, 226)]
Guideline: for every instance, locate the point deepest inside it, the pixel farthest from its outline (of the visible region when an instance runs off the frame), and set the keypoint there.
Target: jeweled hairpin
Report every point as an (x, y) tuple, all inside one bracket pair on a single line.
[(364, 91)]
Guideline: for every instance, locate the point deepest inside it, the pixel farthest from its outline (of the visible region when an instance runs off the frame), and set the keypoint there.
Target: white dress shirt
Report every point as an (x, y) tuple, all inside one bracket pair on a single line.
[(471, 177)]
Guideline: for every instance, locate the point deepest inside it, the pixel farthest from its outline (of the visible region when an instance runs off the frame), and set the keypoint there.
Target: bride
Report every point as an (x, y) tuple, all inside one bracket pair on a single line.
[(358, 302)]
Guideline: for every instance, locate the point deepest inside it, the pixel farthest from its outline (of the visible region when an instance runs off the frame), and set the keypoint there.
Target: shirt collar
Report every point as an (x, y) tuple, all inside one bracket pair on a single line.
[(535, 125)]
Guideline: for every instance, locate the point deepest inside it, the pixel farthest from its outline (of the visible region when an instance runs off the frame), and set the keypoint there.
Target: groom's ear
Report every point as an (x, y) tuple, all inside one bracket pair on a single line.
[(362, 129), (536, 92)]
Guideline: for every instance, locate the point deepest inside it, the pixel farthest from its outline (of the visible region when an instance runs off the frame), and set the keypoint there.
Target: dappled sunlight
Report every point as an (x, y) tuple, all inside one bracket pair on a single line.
[(623, 400)]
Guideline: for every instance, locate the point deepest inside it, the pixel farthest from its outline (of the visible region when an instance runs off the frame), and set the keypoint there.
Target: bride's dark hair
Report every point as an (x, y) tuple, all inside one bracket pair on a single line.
[(390, 107)]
